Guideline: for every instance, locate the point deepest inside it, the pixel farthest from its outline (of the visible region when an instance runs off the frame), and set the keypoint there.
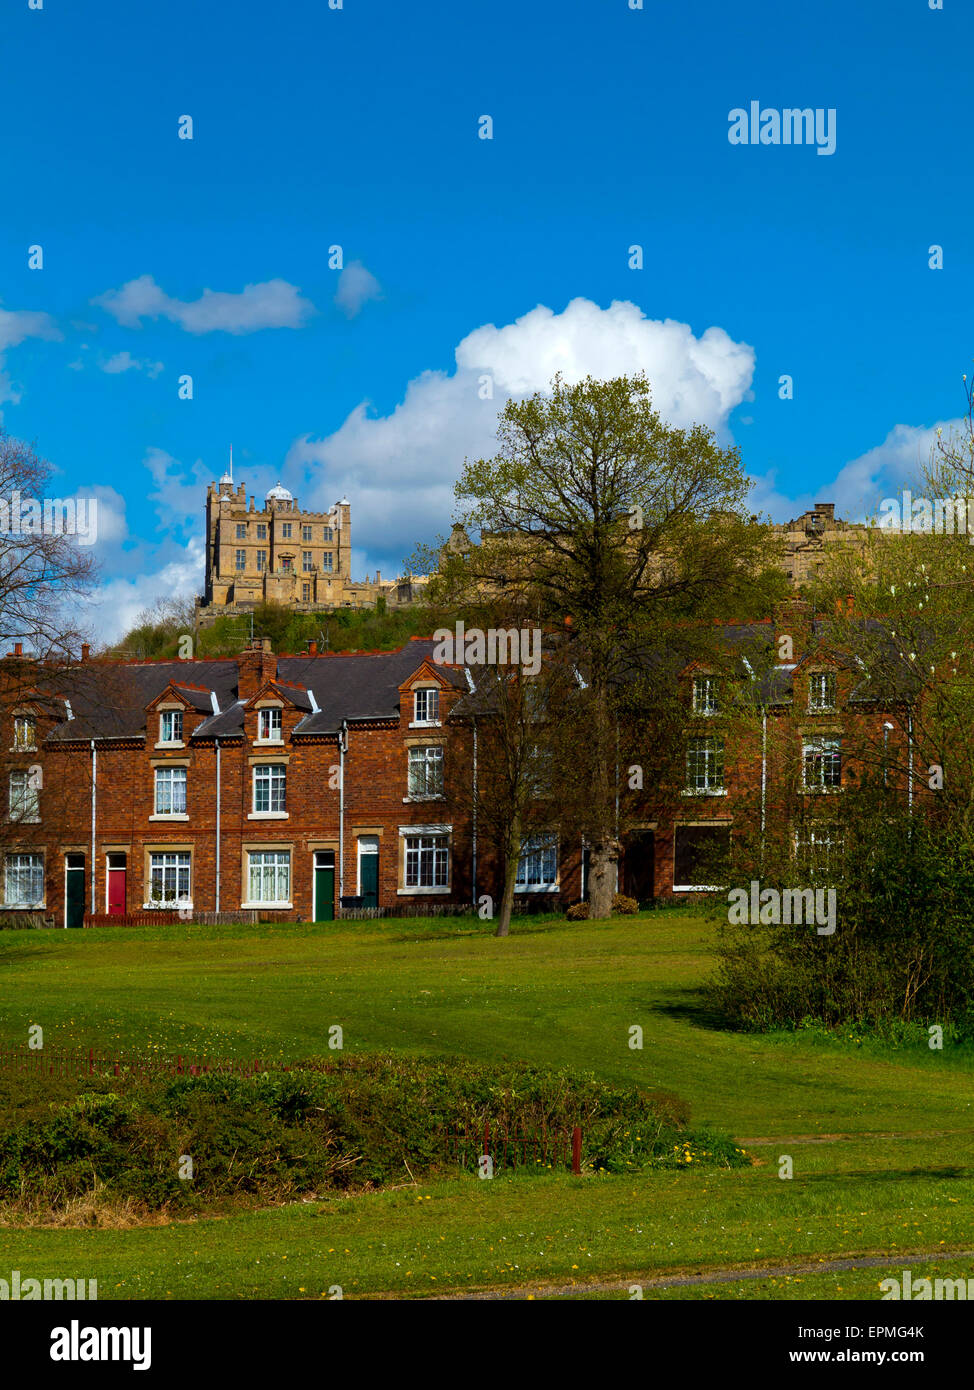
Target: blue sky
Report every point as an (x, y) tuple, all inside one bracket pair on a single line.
[(464, 257)]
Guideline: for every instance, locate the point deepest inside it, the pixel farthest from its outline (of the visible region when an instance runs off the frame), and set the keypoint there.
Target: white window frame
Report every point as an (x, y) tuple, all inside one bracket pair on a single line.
[(275, 735), (25, 734), (422, 833), (328, 562), (822, 703), (275, 866), (538, 854), (176, 776), (274, 775), (28, 803), (176, 718), (705, 696), (713, 750), (426, 695), (180, 863), (815, 748), (35, 872), (426, 766)]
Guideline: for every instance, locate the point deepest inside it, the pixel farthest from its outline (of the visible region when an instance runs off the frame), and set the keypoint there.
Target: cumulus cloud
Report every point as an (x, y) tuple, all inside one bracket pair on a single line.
[(125, 362), (271, 304), (860, 486), (114, 607), (356, 286), (399, 469)]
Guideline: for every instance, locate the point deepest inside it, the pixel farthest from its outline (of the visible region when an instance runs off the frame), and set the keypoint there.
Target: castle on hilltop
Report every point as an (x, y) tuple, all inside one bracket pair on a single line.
[(281, 554)]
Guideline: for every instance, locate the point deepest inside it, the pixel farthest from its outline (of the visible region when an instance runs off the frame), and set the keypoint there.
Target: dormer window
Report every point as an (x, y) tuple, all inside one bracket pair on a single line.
[(821, 691), (269, 726), (171, 726), (426, 706), (704, 695), (25, 734)]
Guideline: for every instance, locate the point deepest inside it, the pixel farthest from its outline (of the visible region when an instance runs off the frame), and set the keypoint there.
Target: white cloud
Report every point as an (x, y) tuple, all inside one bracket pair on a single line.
[(272, 304), (860, 486), (356, 286), (115, 605), (125, 362), (399, 469), (15, 326)]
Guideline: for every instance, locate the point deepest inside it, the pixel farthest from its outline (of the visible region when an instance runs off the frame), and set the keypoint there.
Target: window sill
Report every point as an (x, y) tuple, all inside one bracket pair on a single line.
[(23, 750), (821, 791), (25, 907), (268, 743), (267, 905), (167, 815), (536, 888), (706, 791), (267, 815), (179, 906), (422, 892), (425, 724), (23, 820), (433, 796), (180, 744), (699, 887)]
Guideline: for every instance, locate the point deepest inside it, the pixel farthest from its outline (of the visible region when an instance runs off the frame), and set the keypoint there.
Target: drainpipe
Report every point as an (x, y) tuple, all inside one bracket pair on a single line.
[(217, 898), (909, 734), (764, 775), (471, 687), (94, 799), (342, 749)]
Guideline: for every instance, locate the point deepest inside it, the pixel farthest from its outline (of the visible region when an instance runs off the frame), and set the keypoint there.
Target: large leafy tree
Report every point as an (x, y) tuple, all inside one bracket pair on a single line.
[(611, 527)]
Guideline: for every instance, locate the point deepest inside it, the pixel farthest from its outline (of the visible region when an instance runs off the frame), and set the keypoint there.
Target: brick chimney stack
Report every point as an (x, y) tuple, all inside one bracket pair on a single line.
[(792, 629), (256, 665), (85, 651)]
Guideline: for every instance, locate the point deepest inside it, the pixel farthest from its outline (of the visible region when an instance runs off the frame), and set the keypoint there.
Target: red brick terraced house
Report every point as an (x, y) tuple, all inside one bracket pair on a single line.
[(281, 785)]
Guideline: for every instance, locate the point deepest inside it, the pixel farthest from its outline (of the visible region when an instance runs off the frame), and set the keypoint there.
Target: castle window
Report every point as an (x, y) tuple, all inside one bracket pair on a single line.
[(262, 530), (306, 533), (307, 563), (171, 726), (821, 691), (287, 563), (241, 530), (305, 593), (327, 534), (326, 561), (241, 560), (261, 561), (170, 791), (286, 530)]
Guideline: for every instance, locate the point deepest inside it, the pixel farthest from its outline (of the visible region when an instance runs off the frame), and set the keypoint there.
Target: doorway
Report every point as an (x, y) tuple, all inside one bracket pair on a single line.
[(324, 888), (639, 867), (368, 870), (74, 890), (117, 882)]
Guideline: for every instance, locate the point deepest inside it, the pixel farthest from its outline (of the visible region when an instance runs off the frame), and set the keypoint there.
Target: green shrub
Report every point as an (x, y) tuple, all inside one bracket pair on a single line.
[(578, 912), (624, 906)]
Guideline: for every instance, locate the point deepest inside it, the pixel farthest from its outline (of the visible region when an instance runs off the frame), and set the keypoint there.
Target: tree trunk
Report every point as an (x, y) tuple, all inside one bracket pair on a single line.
[(510, 879), (603, 859)]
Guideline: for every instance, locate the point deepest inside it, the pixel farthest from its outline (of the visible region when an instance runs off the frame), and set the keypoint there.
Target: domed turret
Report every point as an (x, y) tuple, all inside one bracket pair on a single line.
[(278, 496)]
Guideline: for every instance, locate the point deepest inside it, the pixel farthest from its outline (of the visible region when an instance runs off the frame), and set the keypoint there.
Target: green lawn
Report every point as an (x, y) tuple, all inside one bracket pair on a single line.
[(554, 994)]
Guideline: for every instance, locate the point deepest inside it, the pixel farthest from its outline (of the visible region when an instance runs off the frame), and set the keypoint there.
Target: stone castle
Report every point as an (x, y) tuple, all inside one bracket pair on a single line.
[(283, 555)]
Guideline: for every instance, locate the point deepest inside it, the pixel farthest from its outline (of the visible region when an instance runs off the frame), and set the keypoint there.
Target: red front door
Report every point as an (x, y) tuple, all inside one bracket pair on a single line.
[(116, 887)]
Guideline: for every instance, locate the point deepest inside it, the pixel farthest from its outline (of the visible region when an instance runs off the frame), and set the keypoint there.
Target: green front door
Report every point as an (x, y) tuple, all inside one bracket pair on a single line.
[(325, 886), (74, 890), (369, 872)]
